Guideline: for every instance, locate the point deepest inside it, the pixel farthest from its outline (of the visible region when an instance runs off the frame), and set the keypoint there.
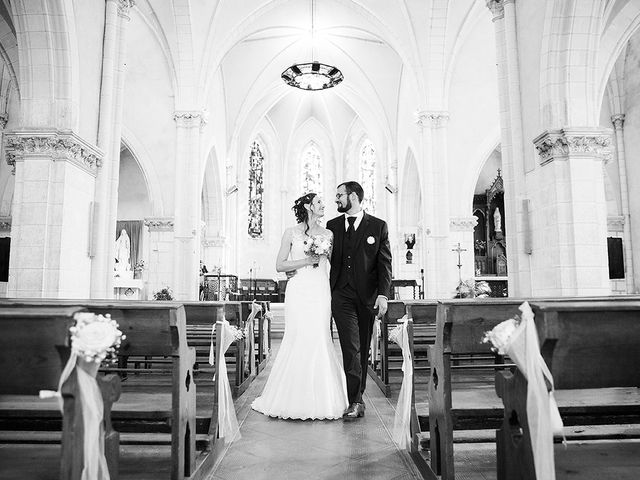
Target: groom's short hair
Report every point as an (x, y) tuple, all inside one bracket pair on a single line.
[(353, 187)]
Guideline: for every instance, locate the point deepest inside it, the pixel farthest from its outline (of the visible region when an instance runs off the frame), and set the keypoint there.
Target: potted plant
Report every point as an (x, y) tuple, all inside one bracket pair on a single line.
[(163, 294), (138, 268)]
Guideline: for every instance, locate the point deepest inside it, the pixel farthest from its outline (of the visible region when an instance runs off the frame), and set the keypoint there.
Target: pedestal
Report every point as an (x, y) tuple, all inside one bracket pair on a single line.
[(127, 288)]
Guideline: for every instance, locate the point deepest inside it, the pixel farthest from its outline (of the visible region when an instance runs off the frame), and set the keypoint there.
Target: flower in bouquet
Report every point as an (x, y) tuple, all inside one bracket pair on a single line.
[(318, 245), (500, 335), (95, 337)]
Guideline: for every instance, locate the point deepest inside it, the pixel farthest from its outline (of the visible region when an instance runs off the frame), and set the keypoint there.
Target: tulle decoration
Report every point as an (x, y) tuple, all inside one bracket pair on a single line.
[(402, 420), (250, 351), (542, 410), (227, 421), (93, 337), (268, 318), (375, 340)]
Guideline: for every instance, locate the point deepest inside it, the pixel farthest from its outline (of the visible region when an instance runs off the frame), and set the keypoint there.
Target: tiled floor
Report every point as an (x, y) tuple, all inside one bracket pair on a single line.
[(294, 449)]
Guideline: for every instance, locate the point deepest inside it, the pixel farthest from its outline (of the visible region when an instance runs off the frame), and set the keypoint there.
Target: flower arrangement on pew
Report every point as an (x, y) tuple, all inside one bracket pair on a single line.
[(94, 339), (517, 337)]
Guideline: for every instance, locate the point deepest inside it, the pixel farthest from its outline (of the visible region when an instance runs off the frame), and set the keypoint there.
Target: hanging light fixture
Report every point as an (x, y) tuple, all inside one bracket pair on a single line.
[(312, 75)]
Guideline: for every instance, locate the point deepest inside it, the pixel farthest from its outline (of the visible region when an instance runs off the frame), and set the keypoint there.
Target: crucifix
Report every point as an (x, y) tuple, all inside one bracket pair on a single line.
[(459, 250)]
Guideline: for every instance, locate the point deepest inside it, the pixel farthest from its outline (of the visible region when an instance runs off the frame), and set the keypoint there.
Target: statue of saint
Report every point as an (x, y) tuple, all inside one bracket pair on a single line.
[(123, 253), (497, 220)]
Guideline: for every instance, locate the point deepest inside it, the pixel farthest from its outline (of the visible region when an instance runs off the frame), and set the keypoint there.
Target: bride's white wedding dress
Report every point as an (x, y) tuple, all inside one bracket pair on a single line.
[(307, 380)]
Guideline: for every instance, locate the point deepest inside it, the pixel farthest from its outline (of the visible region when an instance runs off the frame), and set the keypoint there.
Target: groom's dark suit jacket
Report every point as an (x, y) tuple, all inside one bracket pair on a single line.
[(371, 260)]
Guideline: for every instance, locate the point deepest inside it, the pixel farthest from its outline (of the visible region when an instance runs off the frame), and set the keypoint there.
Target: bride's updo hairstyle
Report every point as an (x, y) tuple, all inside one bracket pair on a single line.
[(299, 210)]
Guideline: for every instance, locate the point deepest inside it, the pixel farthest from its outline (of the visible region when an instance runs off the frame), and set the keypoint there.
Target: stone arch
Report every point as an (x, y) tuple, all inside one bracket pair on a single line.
[(49, 93), (146, 165), (212, 199), (410, 193)]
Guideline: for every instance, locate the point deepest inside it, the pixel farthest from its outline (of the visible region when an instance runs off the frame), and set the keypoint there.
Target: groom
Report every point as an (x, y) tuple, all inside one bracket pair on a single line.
[(360, 283)]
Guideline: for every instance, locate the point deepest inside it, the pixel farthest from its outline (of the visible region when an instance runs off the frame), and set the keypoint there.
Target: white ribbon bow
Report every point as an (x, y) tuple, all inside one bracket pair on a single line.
[(227, 420), (402, 420)]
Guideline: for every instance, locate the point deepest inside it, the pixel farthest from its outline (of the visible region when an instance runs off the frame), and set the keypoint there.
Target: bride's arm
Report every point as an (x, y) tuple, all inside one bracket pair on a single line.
[(284, 265)]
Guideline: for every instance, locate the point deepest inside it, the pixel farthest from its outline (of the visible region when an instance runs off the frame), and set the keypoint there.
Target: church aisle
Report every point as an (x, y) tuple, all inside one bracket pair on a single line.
[(294, 449)]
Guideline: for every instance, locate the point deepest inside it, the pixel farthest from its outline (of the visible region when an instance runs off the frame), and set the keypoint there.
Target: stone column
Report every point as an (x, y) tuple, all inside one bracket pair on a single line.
[(618, 126), (435, 194), (160, 268), (511, 143), (571, 211), (109, 133), (54, 187), (188, 199)]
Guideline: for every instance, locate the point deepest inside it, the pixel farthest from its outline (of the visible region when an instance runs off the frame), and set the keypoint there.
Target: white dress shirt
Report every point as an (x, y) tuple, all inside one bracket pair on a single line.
[(358, 216)]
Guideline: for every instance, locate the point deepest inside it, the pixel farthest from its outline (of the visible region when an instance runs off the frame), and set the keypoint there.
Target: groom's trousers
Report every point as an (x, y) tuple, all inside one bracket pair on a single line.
[(354, 321)]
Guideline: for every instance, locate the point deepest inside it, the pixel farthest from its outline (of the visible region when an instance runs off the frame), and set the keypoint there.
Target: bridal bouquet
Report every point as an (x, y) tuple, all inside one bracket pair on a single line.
[(318, 245)]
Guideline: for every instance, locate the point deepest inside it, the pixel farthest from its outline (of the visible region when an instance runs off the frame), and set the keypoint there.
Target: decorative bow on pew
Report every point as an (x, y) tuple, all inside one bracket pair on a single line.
[(520, 342), (402, 420), (93, 338)]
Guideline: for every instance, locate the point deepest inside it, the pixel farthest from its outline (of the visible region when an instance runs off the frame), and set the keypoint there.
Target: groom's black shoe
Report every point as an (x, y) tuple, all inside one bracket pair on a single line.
[(355, 410)]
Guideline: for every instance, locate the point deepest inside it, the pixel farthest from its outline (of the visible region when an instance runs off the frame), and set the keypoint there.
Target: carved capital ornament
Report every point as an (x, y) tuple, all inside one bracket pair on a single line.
[(567, 142), (57, 145), (159, 224)]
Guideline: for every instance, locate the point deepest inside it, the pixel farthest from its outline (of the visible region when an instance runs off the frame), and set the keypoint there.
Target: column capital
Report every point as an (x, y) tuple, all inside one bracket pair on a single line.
[(190, 118), (615, 223), (618, 121), (497, 8), (431, 119), (58, 145), (159, 224), (4, 118), (462, 224), (5, 224), (567, 142), (124, 6), (219, 241)]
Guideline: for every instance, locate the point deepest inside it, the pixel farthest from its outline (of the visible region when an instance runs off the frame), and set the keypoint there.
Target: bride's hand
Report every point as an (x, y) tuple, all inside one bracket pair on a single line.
[(313, 259)]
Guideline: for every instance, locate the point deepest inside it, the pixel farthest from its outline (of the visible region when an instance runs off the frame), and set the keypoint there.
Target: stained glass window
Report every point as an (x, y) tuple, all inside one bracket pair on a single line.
[(311, 170), (256, 190), (368, 175)]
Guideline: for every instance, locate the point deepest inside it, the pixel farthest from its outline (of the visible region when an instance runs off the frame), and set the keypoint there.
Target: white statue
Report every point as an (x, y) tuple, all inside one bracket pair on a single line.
[(497, 220), (123, 253)]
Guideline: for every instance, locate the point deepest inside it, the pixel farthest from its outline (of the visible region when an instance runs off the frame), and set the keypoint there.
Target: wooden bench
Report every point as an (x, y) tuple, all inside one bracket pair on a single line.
[(460, 326), (422, 313), (592, 350), (34, 348), (153, 329)]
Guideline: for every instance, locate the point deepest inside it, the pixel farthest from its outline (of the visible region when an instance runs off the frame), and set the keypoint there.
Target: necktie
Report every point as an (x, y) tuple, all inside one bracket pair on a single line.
[(351, 229)]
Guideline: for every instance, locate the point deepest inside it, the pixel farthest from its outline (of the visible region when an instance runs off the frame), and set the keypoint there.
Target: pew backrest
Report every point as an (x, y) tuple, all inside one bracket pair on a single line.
[(591, 344), (32, 345)]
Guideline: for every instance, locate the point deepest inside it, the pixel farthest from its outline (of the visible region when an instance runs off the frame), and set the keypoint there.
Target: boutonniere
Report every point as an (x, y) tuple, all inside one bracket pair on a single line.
[(371, 240)]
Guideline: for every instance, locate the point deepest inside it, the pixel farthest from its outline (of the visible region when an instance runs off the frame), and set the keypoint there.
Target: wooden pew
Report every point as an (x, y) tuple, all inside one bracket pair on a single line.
[(153, 329), (586, 345), (423, 314), (461, 324), (34, 348)]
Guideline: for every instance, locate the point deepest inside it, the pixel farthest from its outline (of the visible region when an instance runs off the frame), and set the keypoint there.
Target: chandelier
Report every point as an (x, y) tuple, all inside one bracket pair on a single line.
[(312, 75)]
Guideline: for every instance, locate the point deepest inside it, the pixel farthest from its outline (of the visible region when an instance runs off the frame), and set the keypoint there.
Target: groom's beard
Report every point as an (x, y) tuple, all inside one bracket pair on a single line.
[(346, 208)]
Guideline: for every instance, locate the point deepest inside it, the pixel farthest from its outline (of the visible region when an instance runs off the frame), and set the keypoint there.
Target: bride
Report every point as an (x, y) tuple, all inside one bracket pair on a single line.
[(307, 380)]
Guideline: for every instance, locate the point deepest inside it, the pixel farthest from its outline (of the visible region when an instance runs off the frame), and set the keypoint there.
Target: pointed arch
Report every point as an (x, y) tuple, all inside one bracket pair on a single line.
[(410, 193)]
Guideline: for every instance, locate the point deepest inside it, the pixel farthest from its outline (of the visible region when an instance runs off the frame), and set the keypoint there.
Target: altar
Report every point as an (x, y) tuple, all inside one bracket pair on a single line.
[(127, 288)]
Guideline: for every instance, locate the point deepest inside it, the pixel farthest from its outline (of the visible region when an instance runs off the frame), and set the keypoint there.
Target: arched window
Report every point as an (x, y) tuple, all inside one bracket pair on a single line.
[(368, 175), (256, 189), (311, 170)]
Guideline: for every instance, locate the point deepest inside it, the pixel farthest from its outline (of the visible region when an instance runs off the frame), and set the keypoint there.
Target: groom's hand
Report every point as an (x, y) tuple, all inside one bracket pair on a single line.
[(381, 305), (290, 273)]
